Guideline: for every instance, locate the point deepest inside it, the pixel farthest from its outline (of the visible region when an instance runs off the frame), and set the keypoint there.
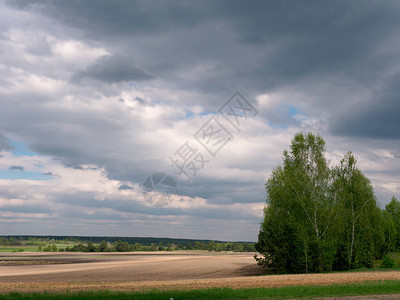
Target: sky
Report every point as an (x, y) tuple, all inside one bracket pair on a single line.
[(97, 96)]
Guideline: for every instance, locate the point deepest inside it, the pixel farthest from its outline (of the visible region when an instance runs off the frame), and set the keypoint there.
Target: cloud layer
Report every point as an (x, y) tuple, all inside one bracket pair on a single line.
[(96, 96)]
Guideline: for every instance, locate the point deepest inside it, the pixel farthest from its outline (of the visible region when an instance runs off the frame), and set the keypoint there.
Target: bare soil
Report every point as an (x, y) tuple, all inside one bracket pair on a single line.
[(143, 271)]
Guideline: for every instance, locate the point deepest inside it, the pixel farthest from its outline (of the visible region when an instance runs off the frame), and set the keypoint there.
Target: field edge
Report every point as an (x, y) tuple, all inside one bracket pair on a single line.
[(380, 287)]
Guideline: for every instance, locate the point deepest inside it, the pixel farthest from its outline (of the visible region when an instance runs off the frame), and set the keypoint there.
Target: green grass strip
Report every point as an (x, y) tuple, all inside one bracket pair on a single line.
[(310, 291)]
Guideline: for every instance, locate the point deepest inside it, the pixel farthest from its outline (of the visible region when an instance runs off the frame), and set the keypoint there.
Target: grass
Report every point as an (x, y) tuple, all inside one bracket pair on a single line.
[(30, 248), (310, 291), (16, 248)]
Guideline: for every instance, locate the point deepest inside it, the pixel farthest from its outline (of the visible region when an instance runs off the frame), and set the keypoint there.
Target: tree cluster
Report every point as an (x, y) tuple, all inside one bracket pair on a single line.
[(321, 218)]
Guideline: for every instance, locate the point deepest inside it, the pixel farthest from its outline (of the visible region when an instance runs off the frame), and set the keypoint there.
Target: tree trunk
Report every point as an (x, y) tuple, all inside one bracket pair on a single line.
[(352, 243), (305, 253)]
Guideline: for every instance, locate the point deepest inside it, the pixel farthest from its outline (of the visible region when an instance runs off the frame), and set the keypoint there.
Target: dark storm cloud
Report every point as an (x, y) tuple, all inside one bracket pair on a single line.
[(119, 18), (254, 46), (302, 38), (19, 168), (312, 37), (125, 187), (112, 69), (377, 118)]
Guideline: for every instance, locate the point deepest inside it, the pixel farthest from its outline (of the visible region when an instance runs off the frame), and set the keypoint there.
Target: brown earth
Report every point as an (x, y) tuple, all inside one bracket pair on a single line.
[(143, 271)]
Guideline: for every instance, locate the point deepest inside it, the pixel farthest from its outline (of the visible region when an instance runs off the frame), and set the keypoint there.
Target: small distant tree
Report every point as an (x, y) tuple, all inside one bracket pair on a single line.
[(47, 248), (153, 247), (211, 246), (121, 246), (171, 247), (90, 247), (138, 247), (189, 246), (199, 245), (103, 246), (247, 247), (79, 248), (160, 246)]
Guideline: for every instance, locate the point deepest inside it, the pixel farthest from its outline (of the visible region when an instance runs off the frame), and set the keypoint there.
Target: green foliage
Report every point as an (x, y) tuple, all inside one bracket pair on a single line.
[(47, 248), (297, 232), (90, 247), (121, 246), (362, 230), (160, 246), (320, 218), (153, 247), (11, 241), (390, 230), (393, 208), (18, 250), (103, 246), (387, 262)]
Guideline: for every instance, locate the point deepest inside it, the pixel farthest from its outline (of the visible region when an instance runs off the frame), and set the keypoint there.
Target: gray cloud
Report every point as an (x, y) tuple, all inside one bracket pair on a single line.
[(19, 168), (125, 187), (112, 69), (121, 18), (27, 208), (4, 144), (303, 40), (377, 118)]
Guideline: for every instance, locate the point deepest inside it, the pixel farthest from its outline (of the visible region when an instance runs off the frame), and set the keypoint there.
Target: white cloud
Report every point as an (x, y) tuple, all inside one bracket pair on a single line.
[(77, 52)]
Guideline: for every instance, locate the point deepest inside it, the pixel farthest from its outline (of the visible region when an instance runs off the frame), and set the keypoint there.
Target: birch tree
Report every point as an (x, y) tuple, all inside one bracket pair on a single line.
[(359, 214), (299, 193), (393, 208)]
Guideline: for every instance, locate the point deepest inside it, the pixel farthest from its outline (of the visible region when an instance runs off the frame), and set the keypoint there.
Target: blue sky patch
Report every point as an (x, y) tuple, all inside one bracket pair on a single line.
[(19, 174), (21, 149)]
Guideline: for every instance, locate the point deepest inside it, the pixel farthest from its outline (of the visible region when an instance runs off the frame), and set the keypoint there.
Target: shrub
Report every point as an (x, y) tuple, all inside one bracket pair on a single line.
[(387, 262)]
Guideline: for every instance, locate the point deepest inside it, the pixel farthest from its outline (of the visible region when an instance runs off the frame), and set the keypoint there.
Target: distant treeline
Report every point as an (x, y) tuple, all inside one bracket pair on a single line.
[(120, 246), (110, 244)]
